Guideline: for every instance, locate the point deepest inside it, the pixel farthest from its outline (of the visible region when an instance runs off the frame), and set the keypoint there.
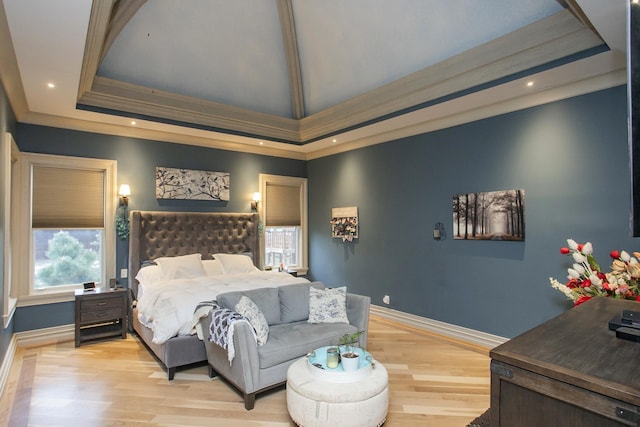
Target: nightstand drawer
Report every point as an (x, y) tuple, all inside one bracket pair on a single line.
[(96, 304), (96, 316)]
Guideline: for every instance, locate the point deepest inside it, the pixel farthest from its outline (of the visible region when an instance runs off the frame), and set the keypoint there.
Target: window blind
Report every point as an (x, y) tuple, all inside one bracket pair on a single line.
[(282, 205), (67, 198)]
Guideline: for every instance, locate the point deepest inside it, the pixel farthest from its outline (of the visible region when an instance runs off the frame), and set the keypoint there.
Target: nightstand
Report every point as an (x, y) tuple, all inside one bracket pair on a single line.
[(100, 313)]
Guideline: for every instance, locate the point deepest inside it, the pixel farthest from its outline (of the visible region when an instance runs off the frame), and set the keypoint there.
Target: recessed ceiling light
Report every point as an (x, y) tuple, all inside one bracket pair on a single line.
[(334, 140), (530, 83), (133, 123), (261, 142), (51, 85)]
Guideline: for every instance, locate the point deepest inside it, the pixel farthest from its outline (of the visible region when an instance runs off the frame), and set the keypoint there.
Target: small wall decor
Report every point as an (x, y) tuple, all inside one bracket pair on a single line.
[(344, 223), (174, 183), (495, 215)]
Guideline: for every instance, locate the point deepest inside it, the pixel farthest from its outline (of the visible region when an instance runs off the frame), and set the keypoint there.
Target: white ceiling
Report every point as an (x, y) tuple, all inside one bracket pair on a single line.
[(237, 57)]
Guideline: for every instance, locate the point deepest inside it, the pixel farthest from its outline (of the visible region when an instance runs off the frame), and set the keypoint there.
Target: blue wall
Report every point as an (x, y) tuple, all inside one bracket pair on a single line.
[(7, 124), (571, 159), (137, 160)]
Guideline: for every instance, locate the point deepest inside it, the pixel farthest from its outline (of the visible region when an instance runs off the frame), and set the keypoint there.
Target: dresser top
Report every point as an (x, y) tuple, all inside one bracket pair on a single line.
[(577, 347)]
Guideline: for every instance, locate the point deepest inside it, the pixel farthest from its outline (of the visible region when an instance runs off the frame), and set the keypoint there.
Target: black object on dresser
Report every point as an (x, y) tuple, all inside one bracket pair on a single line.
[(100, 313), (569, 371)]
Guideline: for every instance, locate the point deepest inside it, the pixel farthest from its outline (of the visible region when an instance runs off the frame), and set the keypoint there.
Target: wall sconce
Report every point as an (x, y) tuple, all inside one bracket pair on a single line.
[(125, 192), (254, 202), (438, 232), (122, 219)]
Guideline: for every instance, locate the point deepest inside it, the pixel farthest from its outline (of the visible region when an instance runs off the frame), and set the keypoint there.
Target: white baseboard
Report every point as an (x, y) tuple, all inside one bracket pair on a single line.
[(29, 338), (46, 335), (447, 329), (5, 368)]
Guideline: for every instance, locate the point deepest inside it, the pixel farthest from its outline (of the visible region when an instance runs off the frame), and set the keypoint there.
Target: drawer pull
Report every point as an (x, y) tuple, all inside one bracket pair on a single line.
[(628, 415), (101, 303)]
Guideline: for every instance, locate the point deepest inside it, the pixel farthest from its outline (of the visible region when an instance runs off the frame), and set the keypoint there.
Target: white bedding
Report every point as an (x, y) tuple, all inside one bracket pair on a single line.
[(167, 307)]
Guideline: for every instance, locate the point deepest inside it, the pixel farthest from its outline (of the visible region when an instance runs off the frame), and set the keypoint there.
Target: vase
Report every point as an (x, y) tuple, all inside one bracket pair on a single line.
[(350, 361)]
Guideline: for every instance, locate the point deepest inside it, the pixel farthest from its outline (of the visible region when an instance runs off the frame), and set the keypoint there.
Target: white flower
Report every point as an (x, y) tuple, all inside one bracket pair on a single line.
[(624, 256), (578, 257), (587, 248), (572, 244), (595, 280), (573, 274), (580, 269)]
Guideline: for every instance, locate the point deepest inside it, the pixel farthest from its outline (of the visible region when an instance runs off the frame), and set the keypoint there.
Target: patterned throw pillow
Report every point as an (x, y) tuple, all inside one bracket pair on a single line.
[(252, 313), (328, 305)]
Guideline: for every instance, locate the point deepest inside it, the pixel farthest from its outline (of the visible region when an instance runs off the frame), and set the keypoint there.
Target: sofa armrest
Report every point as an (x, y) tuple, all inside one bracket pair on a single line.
[(243, 371), (358, 313)]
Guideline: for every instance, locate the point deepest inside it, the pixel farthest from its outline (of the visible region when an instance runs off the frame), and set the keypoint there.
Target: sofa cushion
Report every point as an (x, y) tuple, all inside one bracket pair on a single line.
[(294, 301), (290, 341), (252, 313), (328, 305), (265, 298)]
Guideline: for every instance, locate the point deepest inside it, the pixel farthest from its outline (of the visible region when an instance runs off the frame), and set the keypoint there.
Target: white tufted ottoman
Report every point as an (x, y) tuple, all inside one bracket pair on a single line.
[(313, 402)]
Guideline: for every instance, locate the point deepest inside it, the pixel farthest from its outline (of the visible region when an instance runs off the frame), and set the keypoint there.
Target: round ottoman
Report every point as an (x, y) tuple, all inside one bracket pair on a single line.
[(313, 402)]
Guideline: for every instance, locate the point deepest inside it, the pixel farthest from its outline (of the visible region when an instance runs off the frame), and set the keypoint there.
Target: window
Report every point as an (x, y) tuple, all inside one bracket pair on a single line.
[(284, 214), (65, 216)]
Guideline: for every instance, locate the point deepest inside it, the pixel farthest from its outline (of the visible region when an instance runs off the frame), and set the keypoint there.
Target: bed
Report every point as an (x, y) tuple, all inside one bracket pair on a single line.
[(159, 239)]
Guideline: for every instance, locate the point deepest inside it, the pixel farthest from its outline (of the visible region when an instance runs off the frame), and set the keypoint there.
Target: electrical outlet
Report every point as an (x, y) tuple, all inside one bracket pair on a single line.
[(386, 299), (124, 273)]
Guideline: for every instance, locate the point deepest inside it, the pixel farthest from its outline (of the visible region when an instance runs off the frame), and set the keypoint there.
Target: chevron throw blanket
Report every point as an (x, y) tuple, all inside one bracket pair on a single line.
[(223, 322)]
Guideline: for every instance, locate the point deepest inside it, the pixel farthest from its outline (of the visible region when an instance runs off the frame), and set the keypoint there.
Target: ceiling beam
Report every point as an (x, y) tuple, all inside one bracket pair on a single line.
[(290, 39), (123, 12), (96, 35)]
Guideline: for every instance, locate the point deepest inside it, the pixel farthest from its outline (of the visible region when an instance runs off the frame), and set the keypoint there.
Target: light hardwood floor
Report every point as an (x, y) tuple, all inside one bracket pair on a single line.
[(433, 381)]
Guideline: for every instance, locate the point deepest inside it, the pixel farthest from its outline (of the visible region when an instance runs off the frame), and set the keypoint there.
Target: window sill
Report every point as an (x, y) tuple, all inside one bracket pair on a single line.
[(45, 298)]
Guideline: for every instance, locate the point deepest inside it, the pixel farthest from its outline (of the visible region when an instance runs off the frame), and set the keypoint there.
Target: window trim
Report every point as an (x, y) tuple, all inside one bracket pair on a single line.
[(264, 179), (26, 293), (10, 156)]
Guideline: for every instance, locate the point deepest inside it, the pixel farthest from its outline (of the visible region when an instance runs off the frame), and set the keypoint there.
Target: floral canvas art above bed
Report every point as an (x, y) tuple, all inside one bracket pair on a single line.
[(172, 183)]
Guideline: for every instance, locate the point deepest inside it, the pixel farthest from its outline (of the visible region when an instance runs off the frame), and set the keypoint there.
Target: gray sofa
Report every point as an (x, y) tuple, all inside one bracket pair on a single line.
[(258, 368)]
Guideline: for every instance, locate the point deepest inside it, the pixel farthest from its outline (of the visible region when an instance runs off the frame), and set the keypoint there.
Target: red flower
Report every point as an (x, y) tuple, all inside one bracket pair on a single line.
[(580, 246), (583, 298), (565, 251), (614, 254), (572, 284), (638, 298), (585, 283)]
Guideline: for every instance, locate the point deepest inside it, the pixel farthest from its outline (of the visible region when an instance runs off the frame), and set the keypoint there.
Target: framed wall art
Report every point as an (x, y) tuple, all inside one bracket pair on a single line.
[(494, 215), (187, 184), (344, 223)]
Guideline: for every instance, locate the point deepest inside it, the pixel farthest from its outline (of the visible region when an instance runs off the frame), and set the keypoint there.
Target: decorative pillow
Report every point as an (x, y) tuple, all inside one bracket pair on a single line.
[(181, 267), (235, 263), (328, 305), (212, 267), (247, 308)]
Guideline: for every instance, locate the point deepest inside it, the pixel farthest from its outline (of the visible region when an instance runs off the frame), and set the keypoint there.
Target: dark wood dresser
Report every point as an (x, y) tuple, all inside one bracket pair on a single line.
[(101, 313), (569, 371)]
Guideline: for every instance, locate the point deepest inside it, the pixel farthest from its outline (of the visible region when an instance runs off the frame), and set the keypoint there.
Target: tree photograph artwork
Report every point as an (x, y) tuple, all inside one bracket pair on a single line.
[(495, 215), (183, 184)]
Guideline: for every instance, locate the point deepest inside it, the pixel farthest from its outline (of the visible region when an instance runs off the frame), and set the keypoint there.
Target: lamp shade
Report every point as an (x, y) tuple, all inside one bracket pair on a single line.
[(125, 190)]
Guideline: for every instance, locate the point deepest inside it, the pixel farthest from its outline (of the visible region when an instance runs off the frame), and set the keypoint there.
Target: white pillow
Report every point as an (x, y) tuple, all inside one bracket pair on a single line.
[(212, 267), (328, 305), (181, 267), (149, 274), (236, 263), (247, 308)]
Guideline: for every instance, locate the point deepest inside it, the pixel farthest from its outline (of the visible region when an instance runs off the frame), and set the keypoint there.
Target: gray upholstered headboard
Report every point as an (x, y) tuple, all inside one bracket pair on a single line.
[(156, 233)]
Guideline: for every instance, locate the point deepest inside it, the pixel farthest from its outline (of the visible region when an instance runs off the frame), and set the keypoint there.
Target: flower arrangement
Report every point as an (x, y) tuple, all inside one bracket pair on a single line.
[(586, 280)]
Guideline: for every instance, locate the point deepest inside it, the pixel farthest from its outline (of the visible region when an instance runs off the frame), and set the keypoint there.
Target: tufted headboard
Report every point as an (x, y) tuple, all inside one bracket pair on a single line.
[(155, 234)]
